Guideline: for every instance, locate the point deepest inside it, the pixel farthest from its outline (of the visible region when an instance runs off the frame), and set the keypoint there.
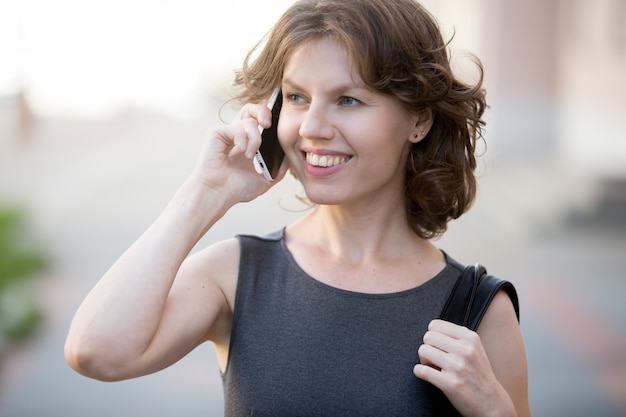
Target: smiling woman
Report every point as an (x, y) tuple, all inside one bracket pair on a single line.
[(89, 58)]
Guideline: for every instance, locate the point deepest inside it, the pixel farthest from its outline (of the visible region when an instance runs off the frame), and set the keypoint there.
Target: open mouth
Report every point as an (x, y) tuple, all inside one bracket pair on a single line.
[(325, 161)]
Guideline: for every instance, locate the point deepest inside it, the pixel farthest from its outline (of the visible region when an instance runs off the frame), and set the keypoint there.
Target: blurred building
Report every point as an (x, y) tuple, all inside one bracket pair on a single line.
[(562, 81), (561, 75), (555, 72)]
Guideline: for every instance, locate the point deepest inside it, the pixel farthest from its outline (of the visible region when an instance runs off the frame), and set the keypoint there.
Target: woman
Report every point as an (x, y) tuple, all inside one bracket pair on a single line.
[(335, 314)]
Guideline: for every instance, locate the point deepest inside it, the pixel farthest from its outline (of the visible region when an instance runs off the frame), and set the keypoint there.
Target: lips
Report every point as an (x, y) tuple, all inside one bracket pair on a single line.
[(325, 161)]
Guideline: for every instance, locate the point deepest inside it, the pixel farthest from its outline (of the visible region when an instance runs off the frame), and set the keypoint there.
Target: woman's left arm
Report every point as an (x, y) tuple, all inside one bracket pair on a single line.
[(482, 373)]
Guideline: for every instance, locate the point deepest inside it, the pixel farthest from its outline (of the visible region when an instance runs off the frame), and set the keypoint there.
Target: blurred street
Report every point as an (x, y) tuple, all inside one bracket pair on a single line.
[(91, 188)]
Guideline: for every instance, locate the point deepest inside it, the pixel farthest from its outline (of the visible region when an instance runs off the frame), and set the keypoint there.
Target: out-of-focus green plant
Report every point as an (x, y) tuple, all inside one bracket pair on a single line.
[(20, 261)]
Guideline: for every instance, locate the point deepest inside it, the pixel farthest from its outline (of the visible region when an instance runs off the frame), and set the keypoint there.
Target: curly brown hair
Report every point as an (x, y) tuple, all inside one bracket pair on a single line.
[(398, 49)]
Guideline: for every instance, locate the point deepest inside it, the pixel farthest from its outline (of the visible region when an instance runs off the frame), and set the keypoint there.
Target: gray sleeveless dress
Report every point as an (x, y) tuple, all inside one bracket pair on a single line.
[(300, 347)]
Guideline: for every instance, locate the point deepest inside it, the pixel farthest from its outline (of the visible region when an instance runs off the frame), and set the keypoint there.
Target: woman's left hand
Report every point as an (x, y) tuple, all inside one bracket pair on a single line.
[(454, 360)]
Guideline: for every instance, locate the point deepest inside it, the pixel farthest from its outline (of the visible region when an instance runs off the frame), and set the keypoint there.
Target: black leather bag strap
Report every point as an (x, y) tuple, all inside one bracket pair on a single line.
[(472, 294)]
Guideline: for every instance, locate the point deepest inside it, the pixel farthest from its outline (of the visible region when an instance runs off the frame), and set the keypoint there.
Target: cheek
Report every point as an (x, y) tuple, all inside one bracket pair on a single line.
[(287, 132)]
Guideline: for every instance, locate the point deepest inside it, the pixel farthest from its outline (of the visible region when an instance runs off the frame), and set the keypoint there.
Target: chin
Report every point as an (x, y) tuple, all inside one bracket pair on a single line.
[(325, 197)]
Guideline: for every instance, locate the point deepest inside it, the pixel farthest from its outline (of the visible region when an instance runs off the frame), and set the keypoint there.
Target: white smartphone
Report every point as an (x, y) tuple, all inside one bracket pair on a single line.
[(270, 155)]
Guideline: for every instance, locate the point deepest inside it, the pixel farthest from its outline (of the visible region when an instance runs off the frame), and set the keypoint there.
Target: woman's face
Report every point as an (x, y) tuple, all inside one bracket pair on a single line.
[(345, 142)]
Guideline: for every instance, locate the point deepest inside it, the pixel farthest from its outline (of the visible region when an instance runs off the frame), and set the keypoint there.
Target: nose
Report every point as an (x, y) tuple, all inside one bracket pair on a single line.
[(316, 123)]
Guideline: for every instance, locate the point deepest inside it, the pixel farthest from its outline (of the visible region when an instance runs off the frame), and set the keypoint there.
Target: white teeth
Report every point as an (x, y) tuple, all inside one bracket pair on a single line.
[(325, 160)]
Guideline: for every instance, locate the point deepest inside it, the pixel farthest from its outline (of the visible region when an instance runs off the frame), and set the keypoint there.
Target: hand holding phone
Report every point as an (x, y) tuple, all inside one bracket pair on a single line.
[(270, 155)]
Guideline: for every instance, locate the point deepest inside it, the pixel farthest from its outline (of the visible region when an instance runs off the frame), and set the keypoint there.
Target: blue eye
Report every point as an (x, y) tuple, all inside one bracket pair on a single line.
[(349, 101), (294, 98)]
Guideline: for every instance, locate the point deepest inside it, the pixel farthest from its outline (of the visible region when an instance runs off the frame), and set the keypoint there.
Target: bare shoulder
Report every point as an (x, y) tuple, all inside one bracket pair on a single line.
[(501, 337), (500, 331), (500, 315)]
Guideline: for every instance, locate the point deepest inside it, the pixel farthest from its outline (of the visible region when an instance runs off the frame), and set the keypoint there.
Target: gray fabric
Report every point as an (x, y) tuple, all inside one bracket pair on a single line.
[(302, 348)]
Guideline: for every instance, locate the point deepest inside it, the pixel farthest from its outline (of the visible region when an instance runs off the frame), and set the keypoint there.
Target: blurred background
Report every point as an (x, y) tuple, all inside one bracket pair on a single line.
[(104, 106)]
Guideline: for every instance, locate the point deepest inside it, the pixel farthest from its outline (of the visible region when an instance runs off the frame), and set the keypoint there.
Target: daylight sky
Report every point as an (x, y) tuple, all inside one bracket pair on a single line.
[(91, 57), (88, 56)]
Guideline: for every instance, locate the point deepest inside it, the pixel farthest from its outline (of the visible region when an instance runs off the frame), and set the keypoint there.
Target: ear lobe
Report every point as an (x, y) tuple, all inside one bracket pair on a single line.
[(422, 125)]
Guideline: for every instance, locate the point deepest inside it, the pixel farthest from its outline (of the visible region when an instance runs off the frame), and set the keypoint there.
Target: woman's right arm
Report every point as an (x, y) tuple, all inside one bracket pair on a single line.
[(155, 304)]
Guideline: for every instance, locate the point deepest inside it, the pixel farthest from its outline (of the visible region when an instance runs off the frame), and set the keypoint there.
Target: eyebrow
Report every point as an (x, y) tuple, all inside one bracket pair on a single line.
[(336, 89)]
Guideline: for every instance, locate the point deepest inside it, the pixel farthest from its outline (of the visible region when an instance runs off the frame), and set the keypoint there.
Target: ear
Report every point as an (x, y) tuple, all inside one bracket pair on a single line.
[(423, 123)]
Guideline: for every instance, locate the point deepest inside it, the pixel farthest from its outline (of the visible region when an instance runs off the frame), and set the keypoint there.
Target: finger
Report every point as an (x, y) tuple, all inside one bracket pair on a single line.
[(258, 112), (458, 362), (429, 374), (449, 384), (236, 140), (253, 138), (439, 378), (245, 138), (239, 144), (425, 360), (439, 368), (431, 356), (467, 349), (439, 340), (449, 328)]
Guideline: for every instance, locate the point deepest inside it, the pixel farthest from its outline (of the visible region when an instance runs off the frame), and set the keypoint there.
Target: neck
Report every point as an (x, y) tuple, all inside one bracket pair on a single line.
[(368, 233), (369, 252)]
